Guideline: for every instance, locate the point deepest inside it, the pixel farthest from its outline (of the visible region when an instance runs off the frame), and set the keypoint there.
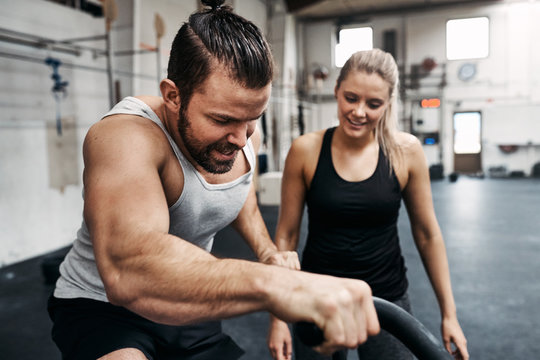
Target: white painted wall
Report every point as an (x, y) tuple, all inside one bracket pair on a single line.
[(37, 213), (35, 217), (174, 14), (507, 79)]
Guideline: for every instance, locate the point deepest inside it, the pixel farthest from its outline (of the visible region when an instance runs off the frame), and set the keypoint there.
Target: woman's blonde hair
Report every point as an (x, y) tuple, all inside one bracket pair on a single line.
[(382, 63)]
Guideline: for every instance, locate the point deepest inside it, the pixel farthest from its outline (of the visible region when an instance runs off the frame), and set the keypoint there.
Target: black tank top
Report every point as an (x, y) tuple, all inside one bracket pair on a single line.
[(353, 226)]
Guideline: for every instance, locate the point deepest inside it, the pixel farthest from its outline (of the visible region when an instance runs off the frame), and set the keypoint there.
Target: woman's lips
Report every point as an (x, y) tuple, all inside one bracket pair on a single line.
[(357, 123)]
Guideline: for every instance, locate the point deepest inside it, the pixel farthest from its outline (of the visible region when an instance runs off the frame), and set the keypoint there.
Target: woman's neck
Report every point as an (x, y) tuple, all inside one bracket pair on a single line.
[(354, 144)]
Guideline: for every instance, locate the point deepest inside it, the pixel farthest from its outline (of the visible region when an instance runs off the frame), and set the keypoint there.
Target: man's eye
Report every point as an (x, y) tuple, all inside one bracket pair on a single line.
[(350, 99), (220, 121)]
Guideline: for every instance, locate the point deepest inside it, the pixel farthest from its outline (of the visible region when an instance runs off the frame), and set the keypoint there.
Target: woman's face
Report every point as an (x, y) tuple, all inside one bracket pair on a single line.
[(362, 99)]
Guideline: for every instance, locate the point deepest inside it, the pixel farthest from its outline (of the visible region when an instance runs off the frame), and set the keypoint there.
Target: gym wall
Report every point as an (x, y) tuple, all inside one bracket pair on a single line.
[(40, 171)]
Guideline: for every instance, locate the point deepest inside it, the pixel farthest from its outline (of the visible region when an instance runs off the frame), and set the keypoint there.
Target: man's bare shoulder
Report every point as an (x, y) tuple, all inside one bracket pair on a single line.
[(128, 126), (125, 134), (155, 102)]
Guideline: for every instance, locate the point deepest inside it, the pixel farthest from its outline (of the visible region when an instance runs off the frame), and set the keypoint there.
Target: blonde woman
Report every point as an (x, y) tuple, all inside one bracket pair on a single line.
[(353, 178)]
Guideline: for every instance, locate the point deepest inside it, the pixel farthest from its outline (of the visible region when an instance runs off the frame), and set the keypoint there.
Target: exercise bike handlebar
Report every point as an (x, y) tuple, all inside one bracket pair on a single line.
[(398, 322)]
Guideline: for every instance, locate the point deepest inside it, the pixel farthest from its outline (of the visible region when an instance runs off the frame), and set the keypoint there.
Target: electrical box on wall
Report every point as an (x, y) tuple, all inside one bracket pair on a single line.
[(431, 138), (426, 126), (426, 115)]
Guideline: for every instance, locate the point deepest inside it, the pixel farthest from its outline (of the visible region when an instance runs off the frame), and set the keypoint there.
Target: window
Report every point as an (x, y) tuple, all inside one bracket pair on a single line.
[(467, 38), (467, 132), (351, 41)]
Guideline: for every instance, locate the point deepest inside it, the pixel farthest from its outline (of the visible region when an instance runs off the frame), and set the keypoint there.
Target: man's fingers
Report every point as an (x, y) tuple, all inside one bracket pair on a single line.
[(362, 324), (288, 259), (352, 320), (327, 350), (291, 260), (334, 335), (372, 320), (342, 308)]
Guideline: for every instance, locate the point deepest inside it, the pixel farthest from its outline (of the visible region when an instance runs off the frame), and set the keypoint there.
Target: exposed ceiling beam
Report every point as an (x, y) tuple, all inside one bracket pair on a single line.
[(295, 5), (403, 7)]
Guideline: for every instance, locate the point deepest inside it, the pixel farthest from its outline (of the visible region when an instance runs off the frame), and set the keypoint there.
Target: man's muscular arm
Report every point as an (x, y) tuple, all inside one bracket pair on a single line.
[(171, 281), (251, 226)]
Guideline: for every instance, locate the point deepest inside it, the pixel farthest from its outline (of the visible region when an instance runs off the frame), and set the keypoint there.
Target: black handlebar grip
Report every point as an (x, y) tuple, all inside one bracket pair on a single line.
[(398, 322), (309, 333)]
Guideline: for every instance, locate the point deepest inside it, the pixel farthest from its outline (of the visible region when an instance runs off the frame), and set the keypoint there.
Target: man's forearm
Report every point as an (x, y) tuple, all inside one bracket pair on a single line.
[(178, 283), (250, 225), (173, 282), (210, 290)]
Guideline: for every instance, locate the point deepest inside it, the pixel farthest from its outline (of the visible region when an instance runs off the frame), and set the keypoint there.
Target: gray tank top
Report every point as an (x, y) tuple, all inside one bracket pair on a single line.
[(202, 210)]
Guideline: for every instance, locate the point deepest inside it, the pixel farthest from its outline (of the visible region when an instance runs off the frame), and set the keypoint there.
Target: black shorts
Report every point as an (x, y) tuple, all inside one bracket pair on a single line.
[(88, 329)]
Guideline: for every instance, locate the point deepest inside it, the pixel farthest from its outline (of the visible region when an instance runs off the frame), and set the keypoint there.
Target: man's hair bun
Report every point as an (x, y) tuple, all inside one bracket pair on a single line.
[(214, 4)]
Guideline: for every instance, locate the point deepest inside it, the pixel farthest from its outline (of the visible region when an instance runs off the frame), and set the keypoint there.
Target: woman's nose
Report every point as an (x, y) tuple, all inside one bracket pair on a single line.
[(360, 110)]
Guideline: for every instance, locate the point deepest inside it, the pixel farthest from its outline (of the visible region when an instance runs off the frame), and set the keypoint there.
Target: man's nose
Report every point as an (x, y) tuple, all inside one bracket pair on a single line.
[(239, 134)]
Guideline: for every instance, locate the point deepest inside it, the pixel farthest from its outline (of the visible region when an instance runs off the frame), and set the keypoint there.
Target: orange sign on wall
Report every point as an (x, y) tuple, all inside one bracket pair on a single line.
[(431, 103)]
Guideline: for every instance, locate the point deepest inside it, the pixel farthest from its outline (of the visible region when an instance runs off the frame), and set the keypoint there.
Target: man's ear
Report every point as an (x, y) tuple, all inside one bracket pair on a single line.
[(170, 94)]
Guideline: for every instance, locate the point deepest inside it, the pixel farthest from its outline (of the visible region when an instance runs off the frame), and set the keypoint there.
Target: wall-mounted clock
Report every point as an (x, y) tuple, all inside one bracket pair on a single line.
[(467, 72)]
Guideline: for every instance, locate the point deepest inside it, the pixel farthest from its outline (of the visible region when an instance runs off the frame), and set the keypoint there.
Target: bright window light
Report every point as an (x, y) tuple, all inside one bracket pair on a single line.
[(467, 38), (351, 41), (467, 136)]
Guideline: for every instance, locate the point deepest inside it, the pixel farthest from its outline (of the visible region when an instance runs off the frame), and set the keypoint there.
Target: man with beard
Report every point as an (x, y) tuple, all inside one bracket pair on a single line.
[(164, 174)]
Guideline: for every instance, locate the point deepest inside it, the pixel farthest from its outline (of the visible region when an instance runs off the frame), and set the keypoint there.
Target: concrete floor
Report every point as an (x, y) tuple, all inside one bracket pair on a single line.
[(492, 232)]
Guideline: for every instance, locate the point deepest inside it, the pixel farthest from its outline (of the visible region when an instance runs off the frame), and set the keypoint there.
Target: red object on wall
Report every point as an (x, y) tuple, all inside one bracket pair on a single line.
[(429, 64), (508, 149)]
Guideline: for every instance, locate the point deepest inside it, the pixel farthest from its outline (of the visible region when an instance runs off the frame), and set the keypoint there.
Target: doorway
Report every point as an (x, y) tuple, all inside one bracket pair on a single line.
[(468, 142)]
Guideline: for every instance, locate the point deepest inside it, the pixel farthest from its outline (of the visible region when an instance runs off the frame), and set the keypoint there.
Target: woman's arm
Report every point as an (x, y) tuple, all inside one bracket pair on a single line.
[(293, 190), (429, 241), (297, 175)]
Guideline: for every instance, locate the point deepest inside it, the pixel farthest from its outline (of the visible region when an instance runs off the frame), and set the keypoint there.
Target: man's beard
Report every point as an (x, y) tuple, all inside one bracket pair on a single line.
[(203, 154)]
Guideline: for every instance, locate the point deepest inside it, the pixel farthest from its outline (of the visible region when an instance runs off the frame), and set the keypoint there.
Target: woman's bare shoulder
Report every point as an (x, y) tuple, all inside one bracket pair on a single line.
[(308, 142), (407, 142)]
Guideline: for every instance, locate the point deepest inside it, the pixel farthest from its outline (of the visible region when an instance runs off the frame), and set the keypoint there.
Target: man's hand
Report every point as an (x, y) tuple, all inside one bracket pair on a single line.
[(342, 308), (350, 320), (287, 259)]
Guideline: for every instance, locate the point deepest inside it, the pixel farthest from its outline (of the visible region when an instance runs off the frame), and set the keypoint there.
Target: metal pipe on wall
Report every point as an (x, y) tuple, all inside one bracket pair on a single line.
[(110, 70), (74, 66)]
